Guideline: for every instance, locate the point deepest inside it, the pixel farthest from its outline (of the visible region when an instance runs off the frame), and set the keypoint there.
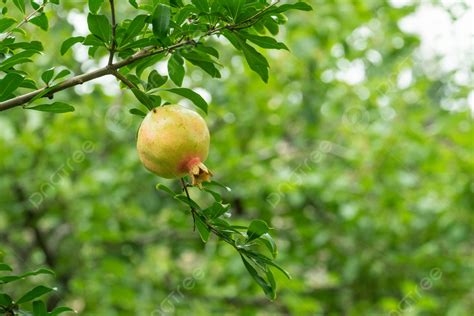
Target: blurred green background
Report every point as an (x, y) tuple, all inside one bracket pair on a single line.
[(359, 153)]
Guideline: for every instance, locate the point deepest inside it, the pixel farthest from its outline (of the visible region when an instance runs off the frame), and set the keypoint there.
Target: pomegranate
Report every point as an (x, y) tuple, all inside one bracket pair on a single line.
[(174, 141)]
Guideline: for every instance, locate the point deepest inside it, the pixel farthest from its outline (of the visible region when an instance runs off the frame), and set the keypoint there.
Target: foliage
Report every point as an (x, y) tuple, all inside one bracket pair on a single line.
[(10, 306), (366, 183)]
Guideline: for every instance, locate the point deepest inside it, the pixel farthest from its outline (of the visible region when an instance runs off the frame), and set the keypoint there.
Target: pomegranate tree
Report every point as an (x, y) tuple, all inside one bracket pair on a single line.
[(173, 141)]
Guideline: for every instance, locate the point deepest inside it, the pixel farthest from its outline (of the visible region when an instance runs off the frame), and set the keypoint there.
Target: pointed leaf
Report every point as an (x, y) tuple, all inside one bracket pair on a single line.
[(161, 20), (70, 42), (56, 107), (34, 293), (191, 95)]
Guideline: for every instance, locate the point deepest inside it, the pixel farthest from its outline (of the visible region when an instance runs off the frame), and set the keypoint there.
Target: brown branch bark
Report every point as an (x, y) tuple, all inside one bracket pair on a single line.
[(112, 68)]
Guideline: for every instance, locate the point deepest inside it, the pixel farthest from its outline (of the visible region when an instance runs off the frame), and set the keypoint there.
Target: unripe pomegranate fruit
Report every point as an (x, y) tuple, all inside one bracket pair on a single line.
[(174, 141)]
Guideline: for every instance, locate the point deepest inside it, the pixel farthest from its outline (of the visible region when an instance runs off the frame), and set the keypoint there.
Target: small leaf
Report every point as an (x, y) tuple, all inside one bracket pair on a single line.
[(268, 241), (186, 200), (94, 5), (39, 309), (255, 60), (143, 98), (20, 4), (137, 112), (5, 300), (34, 293), (133, 3), (60, 310), (302, 6), (201, 5), (264, 41), (191, 95), (155, 80), (267, 288), (256, 229), (161, 20), (63, 73), (41, 21), (234, 7), (216, 210), (56, 107), (202, 228), (176, 69), (9, 84), (164, 188), (100, 26), (4, 266), (47, 76), (5, 23), (70, 42), (134, 29)]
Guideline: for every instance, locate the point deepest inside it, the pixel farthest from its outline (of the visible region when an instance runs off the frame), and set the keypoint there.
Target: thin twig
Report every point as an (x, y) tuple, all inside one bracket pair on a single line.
[(114, 27), (144, 53), (193, 211), (122, 78), (26, 19)]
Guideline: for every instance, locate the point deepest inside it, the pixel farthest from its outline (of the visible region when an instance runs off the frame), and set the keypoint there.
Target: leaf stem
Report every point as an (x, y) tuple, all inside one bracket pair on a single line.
[(26, 19)]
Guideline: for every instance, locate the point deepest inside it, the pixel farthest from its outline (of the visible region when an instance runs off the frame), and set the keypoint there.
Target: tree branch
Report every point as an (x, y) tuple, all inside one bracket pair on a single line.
[(109, 69), (114, 27), (122, 78), (26, 19)]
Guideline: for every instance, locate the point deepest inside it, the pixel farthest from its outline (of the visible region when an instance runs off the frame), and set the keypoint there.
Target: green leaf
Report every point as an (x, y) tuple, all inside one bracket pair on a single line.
[(41, 21), (256, 229), (133, 3), (5, 299), (69, 43), (302, 6), (63, 73), (134, 29), (203, 61), (183, 198), (19, 58), (92, 40), (202, 228), (11, 278), (60, 310), (47, 76), (264, 41), (5, 23), (164, 188), (4, 266), (234, 7), (268, 241), (201, 5), (255, 60), (34, 293), (155, 80), (143, 98), (9, 84), (216, 210), (39, 309), (191, 95), (94, 5), (176, 69), (20, 4), (100, 26), (137, 112), (161, 20), (56, 107), (267, 288)]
